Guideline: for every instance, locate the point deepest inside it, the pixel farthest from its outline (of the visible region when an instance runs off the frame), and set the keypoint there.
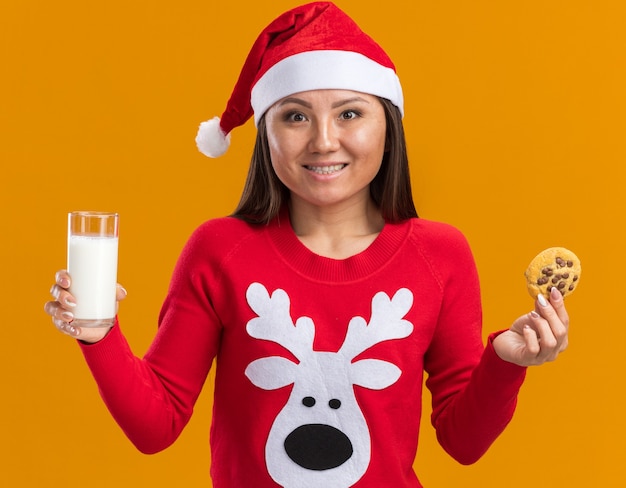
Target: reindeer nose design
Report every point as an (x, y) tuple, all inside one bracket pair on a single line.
[(318, 447)]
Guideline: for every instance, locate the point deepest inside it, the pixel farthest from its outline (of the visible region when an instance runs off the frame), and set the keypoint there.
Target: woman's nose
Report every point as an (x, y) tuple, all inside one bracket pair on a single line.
[(324, 137)]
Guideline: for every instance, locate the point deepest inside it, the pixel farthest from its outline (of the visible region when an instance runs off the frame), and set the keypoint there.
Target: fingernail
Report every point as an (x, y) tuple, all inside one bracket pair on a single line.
[(542, 301), (534, 314), (64, 282), (69, 302), (67, 316), (555, 293), (124, 290), (73, 331)]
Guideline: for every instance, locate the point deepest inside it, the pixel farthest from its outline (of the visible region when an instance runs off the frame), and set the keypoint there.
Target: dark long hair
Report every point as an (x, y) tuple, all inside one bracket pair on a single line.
[(264, 194)]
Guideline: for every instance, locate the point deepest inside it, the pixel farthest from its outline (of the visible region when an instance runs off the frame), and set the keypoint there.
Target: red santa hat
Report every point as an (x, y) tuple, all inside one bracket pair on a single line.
[(314, 46)]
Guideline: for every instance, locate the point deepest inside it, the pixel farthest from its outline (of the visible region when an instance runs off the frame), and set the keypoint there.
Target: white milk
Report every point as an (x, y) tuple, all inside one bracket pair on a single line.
[(92, 264)]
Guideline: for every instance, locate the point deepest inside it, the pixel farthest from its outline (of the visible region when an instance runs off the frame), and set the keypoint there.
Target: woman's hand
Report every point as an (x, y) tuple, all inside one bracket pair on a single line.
[(61, 310), (538, 336)]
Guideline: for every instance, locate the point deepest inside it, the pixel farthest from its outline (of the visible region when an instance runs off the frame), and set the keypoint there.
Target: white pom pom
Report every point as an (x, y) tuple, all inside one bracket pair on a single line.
[(211, 141)]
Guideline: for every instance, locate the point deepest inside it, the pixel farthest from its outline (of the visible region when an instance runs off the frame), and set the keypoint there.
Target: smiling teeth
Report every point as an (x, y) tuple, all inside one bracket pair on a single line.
[(326, 170)]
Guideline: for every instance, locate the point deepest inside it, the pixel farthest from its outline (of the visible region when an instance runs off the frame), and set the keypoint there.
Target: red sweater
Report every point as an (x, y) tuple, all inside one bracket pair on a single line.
[(319, 361)]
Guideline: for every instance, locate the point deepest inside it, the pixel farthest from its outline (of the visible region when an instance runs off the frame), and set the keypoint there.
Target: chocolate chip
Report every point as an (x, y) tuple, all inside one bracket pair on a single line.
[(561, 285), (575, 278), (570, 264), (571, 287)]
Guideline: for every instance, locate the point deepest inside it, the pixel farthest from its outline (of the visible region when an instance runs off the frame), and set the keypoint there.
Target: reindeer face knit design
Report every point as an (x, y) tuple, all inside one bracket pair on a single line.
[(319, 363), (327, 442)]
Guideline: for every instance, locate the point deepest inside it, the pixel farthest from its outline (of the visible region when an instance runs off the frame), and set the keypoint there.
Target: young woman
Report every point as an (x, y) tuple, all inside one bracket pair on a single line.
[(323, 299)]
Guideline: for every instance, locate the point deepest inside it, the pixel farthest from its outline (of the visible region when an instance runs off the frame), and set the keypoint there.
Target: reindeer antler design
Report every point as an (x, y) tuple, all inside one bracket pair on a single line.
[(274, 321), (386, 323)]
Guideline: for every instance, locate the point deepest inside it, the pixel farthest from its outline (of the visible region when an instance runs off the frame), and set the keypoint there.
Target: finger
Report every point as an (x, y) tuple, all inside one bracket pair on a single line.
[(556, 315), (557, 302), (66, 328), (62, 278), (120, 293), (64, 297), (50, 308), (532, 341), (61, 318), (550, 345), (555, 308), (543, 331), (57, 312)]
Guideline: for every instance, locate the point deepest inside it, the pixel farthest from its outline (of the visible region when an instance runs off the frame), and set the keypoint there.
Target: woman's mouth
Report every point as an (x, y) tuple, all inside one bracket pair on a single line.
[(326, 170)]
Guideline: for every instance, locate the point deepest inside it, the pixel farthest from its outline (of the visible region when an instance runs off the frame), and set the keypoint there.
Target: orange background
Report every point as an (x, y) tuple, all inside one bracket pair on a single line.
[(515, 118)]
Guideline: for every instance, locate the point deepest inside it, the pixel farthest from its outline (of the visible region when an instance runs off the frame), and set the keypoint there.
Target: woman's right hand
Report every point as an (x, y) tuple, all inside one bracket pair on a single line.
[(61, 310)]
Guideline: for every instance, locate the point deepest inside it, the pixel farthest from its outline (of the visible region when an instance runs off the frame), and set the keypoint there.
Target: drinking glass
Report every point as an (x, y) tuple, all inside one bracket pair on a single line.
[(92, 249)]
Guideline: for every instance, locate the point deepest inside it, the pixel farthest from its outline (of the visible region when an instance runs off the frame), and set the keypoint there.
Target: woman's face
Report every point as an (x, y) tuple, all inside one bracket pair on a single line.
[(327, 145)]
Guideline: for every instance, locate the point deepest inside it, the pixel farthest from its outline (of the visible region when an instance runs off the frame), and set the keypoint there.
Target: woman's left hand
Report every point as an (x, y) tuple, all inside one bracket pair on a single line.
[(538, 336)]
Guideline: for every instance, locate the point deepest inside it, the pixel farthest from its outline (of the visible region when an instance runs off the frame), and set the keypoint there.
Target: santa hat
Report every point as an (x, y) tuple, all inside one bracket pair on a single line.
[(314, 46)]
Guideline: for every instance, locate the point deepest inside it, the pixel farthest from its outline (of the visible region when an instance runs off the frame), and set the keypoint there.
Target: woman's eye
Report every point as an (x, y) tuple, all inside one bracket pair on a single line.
[(349, 115), (295, 117)]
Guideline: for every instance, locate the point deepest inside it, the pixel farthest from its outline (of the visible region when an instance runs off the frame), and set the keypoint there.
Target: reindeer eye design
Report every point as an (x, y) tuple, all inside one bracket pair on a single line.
[(334, 404), (308, 401)]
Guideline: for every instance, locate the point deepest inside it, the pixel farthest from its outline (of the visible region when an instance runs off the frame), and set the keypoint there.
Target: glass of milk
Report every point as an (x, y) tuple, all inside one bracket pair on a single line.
[(92, 243)]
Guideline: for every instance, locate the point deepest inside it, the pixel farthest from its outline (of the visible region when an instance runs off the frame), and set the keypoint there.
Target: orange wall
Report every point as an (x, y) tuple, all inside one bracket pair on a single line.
[(516, 128)]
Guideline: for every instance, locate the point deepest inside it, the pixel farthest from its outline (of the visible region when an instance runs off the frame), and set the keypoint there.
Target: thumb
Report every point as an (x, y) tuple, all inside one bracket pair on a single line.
[(120, 293)]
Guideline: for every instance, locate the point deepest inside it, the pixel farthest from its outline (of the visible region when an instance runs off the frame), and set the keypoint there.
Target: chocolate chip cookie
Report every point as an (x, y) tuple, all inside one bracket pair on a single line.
[(553, 267)]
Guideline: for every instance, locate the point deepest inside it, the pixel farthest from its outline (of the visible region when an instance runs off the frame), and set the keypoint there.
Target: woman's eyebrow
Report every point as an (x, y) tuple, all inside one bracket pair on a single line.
[(339, 103), (348, 101), (298, 101)]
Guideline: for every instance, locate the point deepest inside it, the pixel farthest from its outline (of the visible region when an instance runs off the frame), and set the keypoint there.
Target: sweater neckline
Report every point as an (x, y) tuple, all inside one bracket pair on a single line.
[(321, 268)]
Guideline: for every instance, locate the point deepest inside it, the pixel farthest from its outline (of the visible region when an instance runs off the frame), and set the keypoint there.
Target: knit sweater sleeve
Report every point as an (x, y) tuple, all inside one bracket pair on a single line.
[(152, 398), (474, 392), (471, 422)]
